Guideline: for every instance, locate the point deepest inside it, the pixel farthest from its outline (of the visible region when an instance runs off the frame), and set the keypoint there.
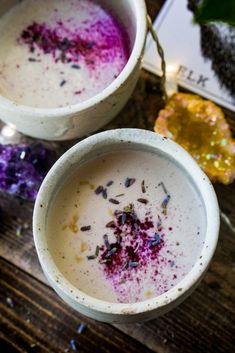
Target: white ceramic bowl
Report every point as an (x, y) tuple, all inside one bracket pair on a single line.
[(65, 166), (83, 118)]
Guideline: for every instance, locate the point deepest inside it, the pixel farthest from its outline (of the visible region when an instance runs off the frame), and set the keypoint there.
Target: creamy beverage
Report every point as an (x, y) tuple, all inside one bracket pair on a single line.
[(126, 227), (57, 53)]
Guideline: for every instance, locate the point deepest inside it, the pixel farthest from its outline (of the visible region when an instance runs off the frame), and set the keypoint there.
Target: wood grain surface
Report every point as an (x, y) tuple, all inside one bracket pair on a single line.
[(34, 319), (38, 321)]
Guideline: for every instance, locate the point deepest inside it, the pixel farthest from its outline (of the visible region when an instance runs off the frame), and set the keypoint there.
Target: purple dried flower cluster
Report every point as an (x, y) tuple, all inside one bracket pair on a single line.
[(137, 242)]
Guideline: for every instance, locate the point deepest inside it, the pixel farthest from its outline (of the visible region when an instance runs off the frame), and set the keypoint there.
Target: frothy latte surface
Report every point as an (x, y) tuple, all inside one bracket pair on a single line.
[(126, 227)]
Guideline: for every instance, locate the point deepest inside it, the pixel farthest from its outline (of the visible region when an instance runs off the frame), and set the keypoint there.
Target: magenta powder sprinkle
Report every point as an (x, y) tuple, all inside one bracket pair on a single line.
[(94, 41), (138, 243)]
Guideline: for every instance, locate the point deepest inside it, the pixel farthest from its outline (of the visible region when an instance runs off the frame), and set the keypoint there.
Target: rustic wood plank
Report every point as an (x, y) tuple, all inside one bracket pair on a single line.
[(40, 322)]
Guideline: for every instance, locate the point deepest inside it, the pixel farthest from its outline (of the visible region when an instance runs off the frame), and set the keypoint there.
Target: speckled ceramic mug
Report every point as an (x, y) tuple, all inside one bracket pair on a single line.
[(90, 148), (83, 118)]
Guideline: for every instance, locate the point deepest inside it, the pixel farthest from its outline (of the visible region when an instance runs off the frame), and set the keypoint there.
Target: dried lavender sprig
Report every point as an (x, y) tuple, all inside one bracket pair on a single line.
[(62, 83), (85, 228), (159, 223), (99, 190), (155, 240), (143, 189), (91, 257), (165, 203), (133, 264), (106, 241), (104, 194), (110, 252), (97, 250), (115, 202), (144, 201), (109, 183), (123, 219)]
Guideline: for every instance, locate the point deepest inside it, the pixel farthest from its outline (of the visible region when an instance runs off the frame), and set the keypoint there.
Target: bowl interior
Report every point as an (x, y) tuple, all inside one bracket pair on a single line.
[(122, 140)]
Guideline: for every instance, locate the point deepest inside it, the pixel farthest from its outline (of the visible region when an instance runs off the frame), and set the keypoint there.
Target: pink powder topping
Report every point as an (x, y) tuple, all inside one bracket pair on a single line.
[(138, 244), (94, 41)]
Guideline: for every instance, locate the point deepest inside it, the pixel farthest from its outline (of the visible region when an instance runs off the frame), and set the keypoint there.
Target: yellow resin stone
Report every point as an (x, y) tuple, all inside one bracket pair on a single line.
[(199, 126)]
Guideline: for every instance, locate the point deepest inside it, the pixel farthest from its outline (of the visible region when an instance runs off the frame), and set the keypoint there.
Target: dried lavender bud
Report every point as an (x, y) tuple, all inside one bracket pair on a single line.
[(129, 182), (141, 200), (85, 228), (109, 183), (143, 189), (104, 194), (115, 202), (99, 190)]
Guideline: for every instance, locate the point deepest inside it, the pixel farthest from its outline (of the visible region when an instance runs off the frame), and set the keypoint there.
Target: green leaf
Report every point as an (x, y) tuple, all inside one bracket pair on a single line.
[(216, 11)]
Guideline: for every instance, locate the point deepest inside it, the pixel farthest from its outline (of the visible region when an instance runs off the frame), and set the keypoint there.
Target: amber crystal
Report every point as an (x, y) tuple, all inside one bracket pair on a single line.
[(200, 127)]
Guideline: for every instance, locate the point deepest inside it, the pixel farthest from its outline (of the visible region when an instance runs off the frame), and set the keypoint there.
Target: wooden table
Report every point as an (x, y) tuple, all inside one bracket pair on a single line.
[(34, 319)]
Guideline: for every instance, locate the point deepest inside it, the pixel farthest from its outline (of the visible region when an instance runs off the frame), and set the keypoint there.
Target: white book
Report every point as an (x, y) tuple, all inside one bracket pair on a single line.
[(181, 42)]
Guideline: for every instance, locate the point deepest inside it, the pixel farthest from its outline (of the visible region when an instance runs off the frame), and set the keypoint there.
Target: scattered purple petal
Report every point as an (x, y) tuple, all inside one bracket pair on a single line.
[(104, 194), (143, 189), (110, 252), (81, 328), (115, 202), (141, 200), (123, 220), (73, 345), (109, 183), (133, 264), (165, 204), (62, 83), (76, 67), (99, 190), (106, 241)]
